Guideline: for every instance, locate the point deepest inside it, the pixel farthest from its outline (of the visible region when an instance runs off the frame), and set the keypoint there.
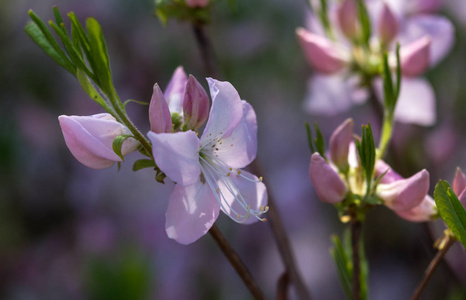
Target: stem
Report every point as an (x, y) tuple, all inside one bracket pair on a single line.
[(433, 266), (386, 135), (355, 237), (236, 262), (207, 53)]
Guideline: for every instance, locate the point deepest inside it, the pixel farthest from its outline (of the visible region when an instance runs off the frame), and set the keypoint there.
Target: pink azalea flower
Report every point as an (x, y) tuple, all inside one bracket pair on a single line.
[(90, 139), (459, 186), (197, 3), (407, 197), (207, 170), (424, 39)]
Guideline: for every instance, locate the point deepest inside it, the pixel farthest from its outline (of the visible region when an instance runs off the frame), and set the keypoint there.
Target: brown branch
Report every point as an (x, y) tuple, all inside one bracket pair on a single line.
[(282, 287), (433, 266), (236, 262)]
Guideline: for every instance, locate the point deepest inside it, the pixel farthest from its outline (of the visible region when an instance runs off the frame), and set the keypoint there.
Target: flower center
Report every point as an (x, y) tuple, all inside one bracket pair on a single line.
[(219, 177)]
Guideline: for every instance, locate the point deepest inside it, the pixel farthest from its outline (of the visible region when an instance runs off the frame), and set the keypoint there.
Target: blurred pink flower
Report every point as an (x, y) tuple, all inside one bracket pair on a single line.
[(424, 39), (90, 139), (197, 3), (207, 170), (407, 197)]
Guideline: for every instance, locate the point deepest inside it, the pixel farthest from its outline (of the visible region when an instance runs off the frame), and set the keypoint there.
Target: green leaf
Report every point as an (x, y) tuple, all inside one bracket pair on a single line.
[(58, 18), (309, 137), (91, 91), (398, 74), (134, 101), (37, 35), (451, 210), (98, 56), (118, 143), (142, 164), (366, 151), (343, 265), (319, 141), (388, 89), (365, 22)]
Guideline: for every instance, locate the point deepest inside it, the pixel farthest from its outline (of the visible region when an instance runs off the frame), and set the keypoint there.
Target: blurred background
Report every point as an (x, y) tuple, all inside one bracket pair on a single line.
[(69, 232)]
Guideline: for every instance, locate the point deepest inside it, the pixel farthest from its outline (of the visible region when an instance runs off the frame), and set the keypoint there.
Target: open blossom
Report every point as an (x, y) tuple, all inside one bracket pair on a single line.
[(424, 39), (207, 170), (90, 139), (407, 197)]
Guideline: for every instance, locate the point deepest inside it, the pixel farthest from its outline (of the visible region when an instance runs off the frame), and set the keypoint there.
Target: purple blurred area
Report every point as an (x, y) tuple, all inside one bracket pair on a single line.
[(69, 232)]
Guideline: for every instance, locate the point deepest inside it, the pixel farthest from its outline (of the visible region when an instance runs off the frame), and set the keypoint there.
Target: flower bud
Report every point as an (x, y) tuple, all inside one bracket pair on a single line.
[(405, 194), (159, 115), (339, 144), (174, 92), (459, 182), (320, 52), (90, 139), (327, 183), (424, 212), (195, 104), (388, 24), (347, 14), (197, 3), (415, 57)]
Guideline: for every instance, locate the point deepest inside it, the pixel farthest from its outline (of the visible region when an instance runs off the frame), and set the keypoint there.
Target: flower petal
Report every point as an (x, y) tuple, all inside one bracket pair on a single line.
[(90, 139), (389, 177), (239, 148), (250, 189), (333, 94), (226, 112), (421, 213), (415, 57), (439, 29), (405, 194), (321, 53), (459, 182), (175, 90), (191, 212), (195, 104), (339, 143), (327, 183), (177, 155)]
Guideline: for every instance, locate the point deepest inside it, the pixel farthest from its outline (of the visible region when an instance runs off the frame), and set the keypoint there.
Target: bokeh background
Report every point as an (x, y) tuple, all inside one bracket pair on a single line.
[(69, 232)]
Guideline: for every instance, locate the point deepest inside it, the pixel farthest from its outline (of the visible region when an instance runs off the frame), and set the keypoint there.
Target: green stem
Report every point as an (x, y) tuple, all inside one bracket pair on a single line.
[(356, 257), (386, 135)]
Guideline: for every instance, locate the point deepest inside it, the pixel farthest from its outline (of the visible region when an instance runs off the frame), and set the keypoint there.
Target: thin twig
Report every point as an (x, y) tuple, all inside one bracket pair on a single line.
[(207, 53), (236, 262), (283, 242), (355, 238), (282, 287), (433, 266)]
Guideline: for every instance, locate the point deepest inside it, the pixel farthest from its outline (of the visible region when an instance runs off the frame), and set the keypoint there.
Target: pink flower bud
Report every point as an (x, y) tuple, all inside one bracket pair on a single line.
[(90, 139), (405, 194), (424, 6), (159, 115), (195, 104), (174, 92), (424, 212), (415, 57), (347, 14), (197, 3), (327, 183), (459, 182), (320, 52), (339, 144), (388, 24)]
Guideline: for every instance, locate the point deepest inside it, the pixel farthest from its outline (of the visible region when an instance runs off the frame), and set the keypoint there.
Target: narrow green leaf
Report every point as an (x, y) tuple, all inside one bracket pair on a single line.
[(134, 101), (309, 137), (451, 210), (319, 141), (142, 164), (90, 90), (388, 89), (398, 74), (58, 18), (342, 263), (65, 62), (365, 22), (39, 38), (118, 143)]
